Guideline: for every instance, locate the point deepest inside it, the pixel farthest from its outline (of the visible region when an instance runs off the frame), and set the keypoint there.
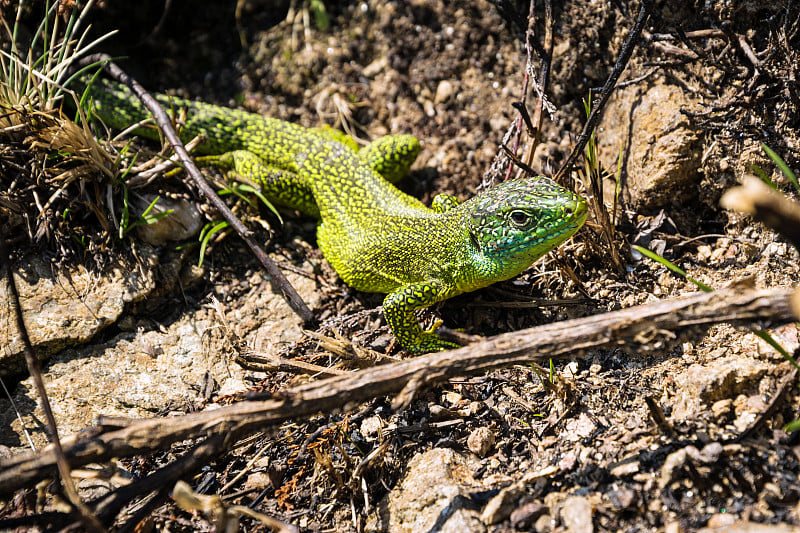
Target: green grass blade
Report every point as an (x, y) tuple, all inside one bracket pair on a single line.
[(126, 213), (257, 192), (782, 165), (672, 266), (755, 169), (766, 337), (205, 237), (146, 218), (236, 191), (321, 20)]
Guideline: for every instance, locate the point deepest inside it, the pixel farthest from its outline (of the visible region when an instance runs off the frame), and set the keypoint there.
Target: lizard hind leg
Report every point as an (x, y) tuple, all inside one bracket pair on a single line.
[(332, 134), (283, 187), (391, 156)]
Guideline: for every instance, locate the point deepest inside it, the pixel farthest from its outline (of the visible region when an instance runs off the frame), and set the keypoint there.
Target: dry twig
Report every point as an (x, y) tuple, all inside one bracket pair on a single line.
[(87, 518), (605, 93)]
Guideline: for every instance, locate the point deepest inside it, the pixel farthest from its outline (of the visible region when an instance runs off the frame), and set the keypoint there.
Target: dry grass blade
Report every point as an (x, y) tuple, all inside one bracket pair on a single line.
[(60, 134), (226, 517), (46, 159)]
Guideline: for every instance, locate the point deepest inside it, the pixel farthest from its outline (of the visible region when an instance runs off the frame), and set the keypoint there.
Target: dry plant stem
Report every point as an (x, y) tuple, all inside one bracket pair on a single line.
[(279, 281), (775, 210), (605, 93), (544, 75), (134, 523), (779, 398), (697, 34), (686, 316), (533, 126), (657, 414), (268, 363), (607, 228), (45, 521), (147, 176), (521, 111), (88, 519)]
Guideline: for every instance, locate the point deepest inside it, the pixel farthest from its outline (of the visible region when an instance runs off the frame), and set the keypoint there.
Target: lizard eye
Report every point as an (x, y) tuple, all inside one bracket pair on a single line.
[(520, 218)]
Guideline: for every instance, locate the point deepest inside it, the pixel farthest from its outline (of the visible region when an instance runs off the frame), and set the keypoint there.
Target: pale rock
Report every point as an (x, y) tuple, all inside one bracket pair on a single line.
[(576, 515), (434, 491), (66, 307), (661, 146), (500, 507)]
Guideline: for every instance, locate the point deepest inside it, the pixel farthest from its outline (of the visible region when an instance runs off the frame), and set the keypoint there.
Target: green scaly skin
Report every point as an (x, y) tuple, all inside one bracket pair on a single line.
[(377, 238)]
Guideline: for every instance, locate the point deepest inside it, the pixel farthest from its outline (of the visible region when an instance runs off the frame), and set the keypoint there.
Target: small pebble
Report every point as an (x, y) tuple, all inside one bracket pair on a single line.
[(371, 427), (777, 249), (622, 498), (443, 92), (524, 517), (500, 507), (257, 481), (481, 441), (570, 369), (544, 524), (722, 409), (720, 520), (703, 253)]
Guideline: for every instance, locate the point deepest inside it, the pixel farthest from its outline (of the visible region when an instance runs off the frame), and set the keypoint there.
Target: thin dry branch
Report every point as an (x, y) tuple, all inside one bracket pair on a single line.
[(541, 84), (87, 518), (108, 508), (686, 316)]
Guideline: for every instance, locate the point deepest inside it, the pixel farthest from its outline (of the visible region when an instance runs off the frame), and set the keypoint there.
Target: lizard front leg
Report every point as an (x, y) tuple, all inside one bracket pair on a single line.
[(399, 307)]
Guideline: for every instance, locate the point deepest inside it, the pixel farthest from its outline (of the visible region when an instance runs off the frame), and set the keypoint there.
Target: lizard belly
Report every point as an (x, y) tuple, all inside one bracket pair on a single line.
[(357, 271), (365, 262), (385, 254)]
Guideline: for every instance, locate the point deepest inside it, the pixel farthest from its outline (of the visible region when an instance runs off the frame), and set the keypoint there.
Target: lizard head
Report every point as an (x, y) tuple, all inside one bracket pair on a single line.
[(516, 222)]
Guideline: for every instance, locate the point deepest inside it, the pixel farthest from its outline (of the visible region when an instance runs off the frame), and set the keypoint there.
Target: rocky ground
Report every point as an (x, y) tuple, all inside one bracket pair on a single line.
[(139, 330)]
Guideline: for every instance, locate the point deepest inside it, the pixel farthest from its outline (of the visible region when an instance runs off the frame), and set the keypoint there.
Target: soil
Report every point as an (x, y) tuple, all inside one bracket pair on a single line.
[(690, 119)]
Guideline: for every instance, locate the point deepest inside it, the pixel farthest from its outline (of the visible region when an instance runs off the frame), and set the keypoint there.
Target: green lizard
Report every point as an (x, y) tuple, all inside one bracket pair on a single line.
[(377, 238)]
